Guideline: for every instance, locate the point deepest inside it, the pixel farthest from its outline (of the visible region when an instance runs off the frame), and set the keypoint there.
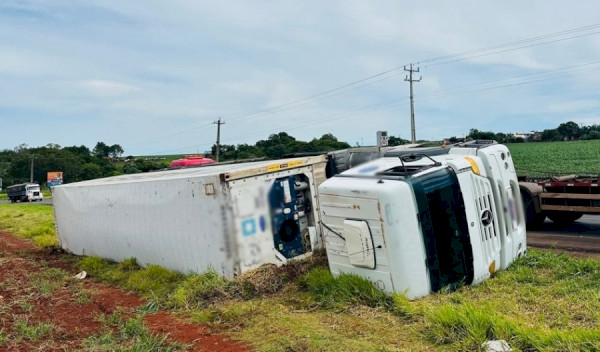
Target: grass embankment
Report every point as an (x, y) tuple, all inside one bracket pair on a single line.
[(543, 302), (554, 158)]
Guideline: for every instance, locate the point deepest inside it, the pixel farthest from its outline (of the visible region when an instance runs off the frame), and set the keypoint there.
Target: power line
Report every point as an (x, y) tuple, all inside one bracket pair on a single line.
[(511, 49), (470, 85), (522, 41), (475, 90), (457, 57), (445, 59), (384, 75), (168, 136), (395, 103), (276, 110), (324, 119)]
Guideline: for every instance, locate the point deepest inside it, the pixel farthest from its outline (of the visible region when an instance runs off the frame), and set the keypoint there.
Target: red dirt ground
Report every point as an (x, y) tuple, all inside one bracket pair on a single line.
[(74, 321)]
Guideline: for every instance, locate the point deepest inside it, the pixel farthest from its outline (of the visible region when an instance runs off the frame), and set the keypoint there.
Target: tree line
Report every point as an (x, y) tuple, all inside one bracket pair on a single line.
[(278, 145), (78, 163), (568, 131)]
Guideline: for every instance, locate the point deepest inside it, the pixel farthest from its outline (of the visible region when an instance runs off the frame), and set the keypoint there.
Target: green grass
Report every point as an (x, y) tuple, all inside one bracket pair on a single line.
[(4, 337), (49, 280), (344, 290), (552, 158), (34, 221), (32, 332), (128, 334), (150, 281)]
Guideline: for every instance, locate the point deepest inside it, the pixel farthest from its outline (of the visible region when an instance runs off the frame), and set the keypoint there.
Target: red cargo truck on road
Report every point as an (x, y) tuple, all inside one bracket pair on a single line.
[(563, 199)]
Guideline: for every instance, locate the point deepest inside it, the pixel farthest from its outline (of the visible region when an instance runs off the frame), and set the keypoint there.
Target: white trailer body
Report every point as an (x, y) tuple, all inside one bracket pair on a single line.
[(230, 218), (412, 227)]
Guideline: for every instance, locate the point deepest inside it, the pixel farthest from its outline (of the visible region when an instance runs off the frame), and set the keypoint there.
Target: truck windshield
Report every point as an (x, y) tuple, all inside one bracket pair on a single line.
[(33, 188), (445, 230)]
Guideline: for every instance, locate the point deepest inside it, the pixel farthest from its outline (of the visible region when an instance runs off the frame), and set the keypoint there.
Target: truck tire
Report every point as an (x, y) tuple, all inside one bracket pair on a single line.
[(534, 216), (563, 218)]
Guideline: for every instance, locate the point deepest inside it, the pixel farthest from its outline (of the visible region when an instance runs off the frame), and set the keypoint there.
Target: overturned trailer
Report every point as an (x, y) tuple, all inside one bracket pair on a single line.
[(230, 218)]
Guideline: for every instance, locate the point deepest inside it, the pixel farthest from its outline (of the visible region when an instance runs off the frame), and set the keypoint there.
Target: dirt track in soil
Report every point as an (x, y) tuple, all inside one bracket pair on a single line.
[(74, 321)]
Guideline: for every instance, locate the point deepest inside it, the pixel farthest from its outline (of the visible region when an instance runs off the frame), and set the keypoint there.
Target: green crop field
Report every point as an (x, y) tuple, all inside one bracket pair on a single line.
[(553, 158)]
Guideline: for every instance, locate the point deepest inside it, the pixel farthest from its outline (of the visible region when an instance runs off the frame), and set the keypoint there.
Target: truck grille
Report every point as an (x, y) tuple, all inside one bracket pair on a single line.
[(490, 238), (484, 205)]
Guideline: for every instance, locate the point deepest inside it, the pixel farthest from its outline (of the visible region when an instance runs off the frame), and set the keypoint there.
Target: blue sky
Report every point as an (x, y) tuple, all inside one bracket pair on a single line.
[(153, 75)]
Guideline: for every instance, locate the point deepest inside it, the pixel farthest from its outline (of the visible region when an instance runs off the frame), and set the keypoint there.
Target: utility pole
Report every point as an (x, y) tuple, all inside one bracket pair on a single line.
[(31, 171), (218, 123), (409, 78)]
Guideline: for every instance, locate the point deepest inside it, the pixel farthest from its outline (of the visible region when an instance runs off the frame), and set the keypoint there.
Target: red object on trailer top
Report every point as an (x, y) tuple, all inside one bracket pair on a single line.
[(191, 160)]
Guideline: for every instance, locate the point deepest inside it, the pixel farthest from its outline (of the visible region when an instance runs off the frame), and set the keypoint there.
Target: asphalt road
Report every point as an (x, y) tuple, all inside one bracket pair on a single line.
[(46, 201), (582, 236)]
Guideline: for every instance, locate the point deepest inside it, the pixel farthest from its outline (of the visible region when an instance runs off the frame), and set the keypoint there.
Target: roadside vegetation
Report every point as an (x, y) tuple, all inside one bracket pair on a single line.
[(545, 301)]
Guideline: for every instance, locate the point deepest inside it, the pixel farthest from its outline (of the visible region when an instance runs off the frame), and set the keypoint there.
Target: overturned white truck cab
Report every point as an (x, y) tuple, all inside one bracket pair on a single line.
[(416, 222)]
